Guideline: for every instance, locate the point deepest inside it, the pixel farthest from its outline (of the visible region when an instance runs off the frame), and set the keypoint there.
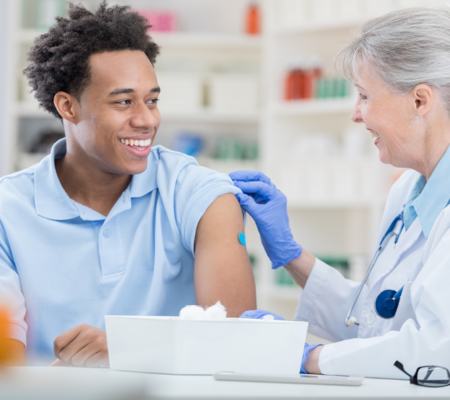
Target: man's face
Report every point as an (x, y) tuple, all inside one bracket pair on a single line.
[(119, 117)]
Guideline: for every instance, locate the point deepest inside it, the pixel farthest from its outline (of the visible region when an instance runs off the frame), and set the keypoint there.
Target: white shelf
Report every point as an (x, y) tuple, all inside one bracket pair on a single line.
[(177, 39), (209, 40), (210, 116), (313, 107), (333, 204), (345, 23)]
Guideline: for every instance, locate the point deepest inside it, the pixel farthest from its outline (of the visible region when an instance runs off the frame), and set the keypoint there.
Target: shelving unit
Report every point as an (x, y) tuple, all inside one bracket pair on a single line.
[(325, 225)]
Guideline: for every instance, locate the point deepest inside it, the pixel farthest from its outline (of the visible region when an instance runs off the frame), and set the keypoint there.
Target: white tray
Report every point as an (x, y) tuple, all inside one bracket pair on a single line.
[(172, 346)]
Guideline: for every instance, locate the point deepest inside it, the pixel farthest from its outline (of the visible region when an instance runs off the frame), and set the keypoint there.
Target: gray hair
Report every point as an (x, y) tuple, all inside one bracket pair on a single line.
[(406, 48)]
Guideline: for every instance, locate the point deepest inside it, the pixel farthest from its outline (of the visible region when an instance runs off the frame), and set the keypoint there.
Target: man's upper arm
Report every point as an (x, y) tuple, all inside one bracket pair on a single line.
[(222, 267)]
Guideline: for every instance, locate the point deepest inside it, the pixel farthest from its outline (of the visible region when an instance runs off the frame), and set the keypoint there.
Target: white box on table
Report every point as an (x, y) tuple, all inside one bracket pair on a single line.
[(172, 346)]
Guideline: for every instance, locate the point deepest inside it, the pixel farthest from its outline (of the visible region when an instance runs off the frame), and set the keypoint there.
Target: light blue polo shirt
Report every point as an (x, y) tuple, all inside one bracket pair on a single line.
[(63, 264)]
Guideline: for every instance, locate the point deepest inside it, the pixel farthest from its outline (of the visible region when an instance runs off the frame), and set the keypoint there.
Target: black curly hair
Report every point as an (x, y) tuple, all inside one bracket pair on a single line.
[(59, 59)]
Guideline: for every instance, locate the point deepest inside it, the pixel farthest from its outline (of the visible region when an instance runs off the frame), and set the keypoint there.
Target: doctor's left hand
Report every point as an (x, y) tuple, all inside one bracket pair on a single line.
[(82, 346)]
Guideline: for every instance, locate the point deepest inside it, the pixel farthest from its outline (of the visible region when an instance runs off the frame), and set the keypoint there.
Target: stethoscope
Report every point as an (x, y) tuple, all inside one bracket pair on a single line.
[(387, 301)]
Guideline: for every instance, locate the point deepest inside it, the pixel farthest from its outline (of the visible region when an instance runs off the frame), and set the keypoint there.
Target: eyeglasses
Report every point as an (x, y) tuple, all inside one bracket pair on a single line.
[(428, 375)]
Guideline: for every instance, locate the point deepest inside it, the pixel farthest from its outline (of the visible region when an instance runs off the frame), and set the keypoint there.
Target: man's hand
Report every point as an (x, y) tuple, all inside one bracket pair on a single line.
[(82, 346)]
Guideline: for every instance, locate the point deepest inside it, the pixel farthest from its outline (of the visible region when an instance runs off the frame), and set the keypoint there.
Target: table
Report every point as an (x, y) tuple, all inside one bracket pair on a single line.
[(74, 383)]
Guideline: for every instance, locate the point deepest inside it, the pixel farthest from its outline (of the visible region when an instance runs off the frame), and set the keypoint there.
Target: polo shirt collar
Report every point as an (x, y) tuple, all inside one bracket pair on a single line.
[(51, 200), (428, 199)]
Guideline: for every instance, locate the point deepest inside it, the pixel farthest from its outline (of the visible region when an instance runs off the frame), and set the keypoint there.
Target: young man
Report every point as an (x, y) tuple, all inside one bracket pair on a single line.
[(106, 224)]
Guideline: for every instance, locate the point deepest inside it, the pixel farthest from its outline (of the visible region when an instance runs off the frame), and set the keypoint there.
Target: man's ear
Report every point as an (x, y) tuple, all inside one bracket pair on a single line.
[(423, 99), (67, 106)]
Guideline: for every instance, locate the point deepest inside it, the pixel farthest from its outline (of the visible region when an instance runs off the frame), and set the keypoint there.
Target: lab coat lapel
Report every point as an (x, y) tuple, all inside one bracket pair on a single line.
[(415, 231)]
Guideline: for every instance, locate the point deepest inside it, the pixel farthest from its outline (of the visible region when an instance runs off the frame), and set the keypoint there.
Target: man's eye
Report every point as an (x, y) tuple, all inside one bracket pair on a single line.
[(124, 102), (153, 101)]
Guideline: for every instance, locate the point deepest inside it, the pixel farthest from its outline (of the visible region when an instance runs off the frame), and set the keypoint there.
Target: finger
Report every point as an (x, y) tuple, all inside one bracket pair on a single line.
[(246, 202), (58, 363), (248, 176), (65, 338), (261, 188), (85, 338), (79, 359), (98, 359)]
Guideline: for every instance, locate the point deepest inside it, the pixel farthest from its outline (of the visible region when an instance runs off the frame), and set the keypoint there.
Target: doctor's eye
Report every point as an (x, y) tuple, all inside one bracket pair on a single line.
[(363, 97)]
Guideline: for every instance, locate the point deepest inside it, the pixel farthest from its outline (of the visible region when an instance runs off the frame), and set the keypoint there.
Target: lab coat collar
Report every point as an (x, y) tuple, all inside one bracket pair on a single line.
[(428, 199), (52, 202)]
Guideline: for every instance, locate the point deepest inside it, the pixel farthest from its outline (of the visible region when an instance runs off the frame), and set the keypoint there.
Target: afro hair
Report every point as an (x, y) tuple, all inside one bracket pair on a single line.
[(59, 59)]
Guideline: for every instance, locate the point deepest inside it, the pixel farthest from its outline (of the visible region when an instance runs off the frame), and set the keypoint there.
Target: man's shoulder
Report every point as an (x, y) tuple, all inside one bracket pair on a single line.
[(20, 182)]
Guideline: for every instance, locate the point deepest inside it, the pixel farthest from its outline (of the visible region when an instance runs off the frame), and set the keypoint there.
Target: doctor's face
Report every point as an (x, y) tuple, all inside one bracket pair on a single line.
[(388, 116)]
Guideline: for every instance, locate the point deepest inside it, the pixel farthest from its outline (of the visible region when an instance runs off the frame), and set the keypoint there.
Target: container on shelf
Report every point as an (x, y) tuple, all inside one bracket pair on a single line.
[(180, 92), (233, 93), (253, 20), (160, 20)]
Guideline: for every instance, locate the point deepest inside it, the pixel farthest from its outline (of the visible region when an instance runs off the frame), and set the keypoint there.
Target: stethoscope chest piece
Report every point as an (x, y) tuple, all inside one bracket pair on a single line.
[(386, 303)]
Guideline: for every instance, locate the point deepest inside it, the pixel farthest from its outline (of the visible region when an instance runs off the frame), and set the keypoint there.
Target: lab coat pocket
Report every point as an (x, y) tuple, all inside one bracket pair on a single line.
[(405, 309)]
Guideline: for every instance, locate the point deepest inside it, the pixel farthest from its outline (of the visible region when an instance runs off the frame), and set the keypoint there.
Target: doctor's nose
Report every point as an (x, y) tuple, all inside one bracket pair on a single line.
[(356, 114)]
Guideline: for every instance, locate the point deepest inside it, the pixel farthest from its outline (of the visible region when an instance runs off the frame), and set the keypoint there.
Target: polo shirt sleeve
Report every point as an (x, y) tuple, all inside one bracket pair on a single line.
[(10, 291), (196, 189)]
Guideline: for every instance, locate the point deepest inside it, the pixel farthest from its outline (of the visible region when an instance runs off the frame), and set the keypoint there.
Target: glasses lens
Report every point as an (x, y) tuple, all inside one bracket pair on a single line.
[(433, 376)]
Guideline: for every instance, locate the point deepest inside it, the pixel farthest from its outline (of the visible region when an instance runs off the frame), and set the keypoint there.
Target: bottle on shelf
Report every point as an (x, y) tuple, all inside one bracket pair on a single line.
[(4, 335), (302, 79), (253, 20)]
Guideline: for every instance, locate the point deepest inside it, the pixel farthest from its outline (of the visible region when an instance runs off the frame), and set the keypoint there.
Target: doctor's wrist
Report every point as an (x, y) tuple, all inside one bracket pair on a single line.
[(312, 363), (300, 268)]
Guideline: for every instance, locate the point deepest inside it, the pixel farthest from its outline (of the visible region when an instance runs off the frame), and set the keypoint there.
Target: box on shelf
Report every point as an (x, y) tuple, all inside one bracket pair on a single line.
[(180, 92), (233, 93), (169, 345)]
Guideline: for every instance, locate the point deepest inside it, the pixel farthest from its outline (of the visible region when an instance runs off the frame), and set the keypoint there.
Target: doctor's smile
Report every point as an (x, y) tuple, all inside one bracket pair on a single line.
[(111, 226)]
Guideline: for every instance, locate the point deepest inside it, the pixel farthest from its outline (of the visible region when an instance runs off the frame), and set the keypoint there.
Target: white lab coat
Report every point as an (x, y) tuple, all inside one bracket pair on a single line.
[(419, 334)]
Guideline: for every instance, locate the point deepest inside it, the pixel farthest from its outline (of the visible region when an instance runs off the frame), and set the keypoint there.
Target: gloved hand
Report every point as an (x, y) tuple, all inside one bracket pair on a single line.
[(259, 314), (267, 206)]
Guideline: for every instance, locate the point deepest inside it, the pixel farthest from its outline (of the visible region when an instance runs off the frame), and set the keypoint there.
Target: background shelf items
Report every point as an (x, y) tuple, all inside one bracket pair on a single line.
[(223, 100)]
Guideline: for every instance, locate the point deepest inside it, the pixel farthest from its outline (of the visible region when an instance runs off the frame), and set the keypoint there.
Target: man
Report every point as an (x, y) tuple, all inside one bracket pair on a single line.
[(106, 224)]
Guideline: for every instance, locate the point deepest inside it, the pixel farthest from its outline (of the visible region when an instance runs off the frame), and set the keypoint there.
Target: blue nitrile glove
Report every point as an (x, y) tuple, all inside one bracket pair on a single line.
[(259, 314), (267, 206)]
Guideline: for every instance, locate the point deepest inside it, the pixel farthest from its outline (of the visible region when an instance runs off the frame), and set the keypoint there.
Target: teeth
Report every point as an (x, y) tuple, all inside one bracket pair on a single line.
[(132, 142), (375, 135)]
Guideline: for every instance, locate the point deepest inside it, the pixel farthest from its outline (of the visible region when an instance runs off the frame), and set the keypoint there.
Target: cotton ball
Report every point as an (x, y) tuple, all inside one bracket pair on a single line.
[(216, 312), (268, 317), (192, 313)]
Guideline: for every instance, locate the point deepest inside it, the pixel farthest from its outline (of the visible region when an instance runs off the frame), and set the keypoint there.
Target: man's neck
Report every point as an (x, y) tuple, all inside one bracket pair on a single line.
[(87, 184)]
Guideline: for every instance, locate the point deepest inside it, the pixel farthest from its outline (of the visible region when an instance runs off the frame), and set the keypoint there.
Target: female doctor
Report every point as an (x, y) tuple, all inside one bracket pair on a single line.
[(400, 66)]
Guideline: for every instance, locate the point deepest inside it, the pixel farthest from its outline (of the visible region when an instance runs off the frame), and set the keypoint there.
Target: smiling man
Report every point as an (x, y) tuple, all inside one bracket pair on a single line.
[(108, 224)]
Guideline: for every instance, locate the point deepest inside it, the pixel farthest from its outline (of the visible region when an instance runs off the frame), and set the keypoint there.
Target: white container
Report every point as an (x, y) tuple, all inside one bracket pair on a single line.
[(233, 93), (180, 92), (169, 345)]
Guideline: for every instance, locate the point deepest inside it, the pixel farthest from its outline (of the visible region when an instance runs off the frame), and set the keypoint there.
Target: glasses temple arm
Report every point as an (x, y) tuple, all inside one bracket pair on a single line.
[(399, 365)]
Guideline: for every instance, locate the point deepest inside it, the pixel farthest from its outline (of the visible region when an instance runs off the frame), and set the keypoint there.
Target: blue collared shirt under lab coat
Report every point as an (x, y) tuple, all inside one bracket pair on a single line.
[(64, 264), (428, 199)]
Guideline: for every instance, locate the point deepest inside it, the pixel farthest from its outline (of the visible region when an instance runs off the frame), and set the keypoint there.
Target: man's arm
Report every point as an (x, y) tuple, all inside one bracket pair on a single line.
[(222, 267)]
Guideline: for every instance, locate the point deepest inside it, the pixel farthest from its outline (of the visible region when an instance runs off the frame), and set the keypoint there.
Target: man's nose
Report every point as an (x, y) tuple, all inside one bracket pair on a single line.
[(145, 117)]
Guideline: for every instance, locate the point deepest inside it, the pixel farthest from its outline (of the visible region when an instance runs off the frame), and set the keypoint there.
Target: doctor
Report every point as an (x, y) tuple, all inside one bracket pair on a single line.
[(400, 66)]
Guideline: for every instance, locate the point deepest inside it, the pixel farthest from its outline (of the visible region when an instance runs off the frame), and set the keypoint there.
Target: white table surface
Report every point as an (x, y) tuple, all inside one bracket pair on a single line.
[(158, 386)]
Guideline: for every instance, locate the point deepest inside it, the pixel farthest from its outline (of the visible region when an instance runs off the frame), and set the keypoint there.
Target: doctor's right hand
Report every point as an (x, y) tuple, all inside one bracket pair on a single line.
[(268, 207)]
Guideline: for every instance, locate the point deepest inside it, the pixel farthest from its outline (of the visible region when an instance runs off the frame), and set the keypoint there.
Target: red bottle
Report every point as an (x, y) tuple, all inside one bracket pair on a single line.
[(253, 20)]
